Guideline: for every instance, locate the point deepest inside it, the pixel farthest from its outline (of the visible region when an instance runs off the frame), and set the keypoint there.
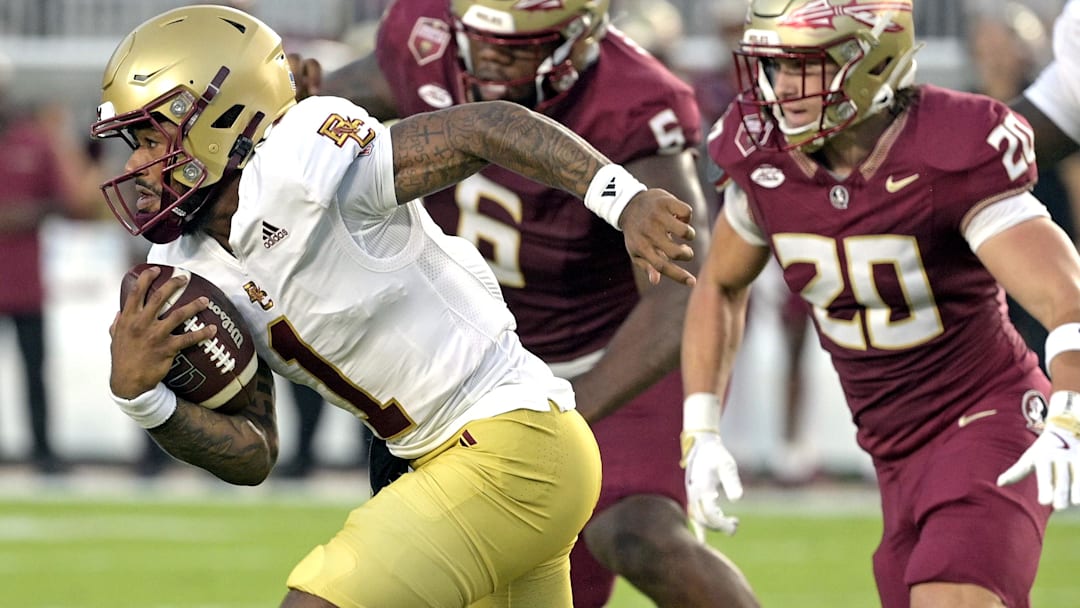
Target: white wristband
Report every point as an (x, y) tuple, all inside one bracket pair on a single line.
[(1063, 402), (150, 409), (1064, 412), (1063, 338), (701, 412), (610, 192)]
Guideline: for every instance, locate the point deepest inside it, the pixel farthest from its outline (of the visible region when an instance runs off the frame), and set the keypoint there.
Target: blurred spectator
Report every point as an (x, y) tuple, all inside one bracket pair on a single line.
[(705, 61), (1009, 44), (309, 409), (44, 170), (655, 25), (1043, 10), (796, 460)]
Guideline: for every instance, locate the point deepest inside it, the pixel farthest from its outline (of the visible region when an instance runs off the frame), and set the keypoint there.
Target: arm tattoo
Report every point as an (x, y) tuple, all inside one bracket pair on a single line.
[(240, 449), (434, 150)]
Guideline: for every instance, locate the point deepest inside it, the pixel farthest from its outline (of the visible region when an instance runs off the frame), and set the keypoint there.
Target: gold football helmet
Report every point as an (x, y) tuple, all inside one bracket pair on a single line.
[(216, 73), (871, 41), (575, 26)]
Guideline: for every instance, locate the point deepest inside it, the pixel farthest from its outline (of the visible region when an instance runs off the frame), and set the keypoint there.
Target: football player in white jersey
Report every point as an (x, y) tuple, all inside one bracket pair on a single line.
[(300, 214), (1052, 103)]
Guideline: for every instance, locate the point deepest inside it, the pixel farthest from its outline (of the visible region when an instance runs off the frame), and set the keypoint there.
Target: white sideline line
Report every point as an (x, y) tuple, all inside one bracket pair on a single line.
[(183, 486), (349, 489), (65, 528)]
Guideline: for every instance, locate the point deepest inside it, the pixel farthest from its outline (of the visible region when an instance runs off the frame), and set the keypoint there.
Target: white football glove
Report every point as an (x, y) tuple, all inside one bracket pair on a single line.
[(709, 466), (1055, 455)]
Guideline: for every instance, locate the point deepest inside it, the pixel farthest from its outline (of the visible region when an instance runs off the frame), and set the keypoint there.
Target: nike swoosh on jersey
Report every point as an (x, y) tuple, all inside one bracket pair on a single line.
[(897, 185), (969, 418)]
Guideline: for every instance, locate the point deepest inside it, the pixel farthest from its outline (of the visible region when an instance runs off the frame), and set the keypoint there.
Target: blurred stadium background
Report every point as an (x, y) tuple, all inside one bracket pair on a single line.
[(186, 540)]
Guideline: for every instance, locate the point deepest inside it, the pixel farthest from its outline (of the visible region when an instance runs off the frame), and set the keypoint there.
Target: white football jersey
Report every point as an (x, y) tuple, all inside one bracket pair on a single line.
[(1056, 92), (361, 298)]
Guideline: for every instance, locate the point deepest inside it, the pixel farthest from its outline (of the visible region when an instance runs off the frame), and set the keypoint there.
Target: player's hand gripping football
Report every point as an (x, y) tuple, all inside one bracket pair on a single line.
[(656, 228), (710, 468), (143, 345), (1055, 455)]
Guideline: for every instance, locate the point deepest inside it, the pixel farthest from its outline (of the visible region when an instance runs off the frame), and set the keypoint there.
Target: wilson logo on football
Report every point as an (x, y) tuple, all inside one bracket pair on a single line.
[(228, 324)]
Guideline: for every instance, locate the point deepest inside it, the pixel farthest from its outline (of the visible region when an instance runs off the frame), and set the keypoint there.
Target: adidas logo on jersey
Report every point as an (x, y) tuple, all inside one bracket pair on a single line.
[(272, 235), (610, 190)]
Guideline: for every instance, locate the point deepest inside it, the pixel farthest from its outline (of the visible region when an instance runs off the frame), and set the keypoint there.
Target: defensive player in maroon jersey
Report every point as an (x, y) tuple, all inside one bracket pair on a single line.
[(899, 213), (579, 303)]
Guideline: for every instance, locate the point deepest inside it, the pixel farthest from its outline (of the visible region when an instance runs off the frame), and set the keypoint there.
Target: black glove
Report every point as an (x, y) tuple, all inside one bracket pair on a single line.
[(383, 467)]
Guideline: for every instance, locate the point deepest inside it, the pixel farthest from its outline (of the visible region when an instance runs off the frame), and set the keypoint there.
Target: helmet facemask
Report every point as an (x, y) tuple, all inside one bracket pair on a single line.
[(756, 69), (178, 196)]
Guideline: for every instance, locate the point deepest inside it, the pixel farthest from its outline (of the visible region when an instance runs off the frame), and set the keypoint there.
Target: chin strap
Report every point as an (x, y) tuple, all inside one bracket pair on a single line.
[(173, 225), (244, 144)]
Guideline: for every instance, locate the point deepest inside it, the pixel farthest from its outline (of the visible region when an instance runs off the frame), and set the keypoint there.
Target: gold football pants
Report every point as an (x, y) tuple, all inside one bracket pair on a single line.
[(487, 519)]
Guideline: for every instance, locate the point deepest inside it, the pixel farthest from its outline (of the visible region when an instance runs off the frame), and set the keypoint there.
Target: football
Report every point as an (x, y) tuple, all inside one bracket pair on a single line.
[(217, 373)]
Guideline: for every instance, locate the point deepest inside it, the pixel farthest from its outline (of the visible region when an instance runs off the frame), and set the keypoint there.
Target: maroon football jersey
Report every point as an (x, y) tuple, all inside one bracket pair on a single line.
[(564, 272), (916, 326)]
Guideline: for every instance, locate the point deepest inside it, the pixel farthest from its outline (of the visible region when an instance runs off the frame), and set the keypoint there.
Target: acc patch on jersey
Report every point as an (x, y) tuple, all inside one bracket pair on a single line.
[(768, 176), (428, 40), (435, 96)]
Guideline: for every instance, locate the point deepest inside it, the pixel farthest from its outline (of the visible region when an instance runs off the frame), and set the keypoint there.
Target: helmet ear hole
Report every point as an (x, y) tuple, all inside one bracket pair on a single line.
[(882, 66), (228, 117)]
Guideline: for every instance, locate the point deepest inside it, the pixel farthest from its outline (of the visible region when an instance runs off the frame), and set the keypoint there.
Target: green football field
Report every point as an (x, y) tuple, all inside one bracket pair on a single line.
[(151, 549)]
